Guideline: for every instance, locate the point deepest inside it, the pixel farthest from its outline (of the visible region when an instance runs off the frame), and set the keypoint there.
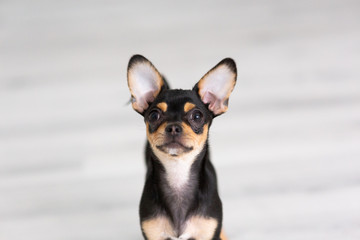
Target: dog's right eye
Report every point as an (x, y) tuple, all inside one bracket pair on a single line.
[(154, 116)]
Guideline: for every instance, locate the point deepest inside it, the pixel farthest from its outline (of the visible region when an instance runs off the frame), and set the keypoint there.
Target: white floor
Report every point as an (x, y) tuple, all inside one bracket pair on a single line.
[(287, 152)]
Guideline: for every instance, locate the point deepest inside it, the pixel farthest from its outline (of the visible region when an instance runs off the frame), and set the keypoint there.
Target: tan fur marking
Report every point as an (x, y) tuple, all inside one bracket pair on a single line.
[(222, 235), (188, 106), (193, 139), (200, 228), (158, 228), (162, 106), (158, 137)]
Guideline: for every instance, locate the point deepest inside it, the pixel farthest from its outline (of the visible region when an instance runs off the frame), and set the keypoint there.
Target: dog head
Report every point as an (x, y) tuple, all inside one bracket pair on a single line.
[(177, 121)]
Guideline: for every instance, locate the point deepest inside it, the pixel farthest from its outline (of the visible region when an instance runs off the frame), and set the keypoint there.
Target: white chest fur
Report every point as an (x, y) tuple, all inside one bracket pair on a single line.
[(177, 168), (177, 173)]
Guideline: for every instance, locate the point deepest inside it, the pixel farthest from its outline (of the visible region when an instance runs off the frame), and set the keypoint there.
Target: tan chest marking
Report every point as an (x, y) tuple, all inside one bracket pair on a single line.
[(200, 228), (158, 228)]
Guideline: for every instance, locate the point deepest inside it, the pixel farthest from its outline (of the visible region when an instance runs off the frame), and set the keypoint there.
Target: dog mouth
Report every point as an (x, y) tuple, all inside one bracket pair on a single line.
[(174, 148)]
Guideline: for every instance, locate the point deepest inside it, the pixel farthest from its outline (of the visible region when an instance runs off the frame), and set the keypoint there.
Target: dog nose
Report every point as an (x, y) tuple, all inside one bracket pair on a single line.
[(173, 129)]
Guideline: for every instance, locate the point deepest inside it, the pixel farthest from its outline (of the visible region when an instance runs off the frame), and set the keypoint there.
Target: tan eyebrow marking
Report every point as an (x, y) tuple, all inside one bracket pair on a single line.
[(163, 106), (188, 106)]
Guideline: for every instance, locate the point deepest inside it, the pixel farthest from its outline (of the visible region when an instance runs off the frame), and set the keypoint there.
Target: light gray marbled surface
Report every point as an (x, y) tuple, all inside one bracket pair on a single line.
[(287, 152)]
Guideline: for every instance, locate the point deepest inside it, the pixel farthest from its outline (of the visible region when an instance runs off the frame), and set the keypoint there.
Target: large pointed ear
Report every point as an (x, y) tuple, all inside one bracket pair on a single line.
[(215, 87), (145, 82)]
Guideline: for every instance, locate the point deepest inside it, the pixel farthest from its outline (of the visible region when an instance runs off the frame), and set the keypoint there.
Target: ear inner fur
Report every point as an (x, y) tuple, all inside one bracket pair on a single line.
[(145, 82), (216, 86)]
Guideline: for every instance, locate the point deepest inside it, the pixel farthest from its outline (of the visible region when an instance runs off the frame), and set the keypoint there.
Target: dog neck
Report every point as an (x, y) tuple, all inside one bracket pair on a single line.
[(178, 181), (177, 169)]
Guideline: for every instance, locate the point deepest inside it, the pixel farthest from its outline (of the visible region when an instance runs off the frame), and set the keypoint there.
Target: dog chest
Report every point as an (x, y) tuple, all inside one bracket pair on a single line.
[(196, 227)]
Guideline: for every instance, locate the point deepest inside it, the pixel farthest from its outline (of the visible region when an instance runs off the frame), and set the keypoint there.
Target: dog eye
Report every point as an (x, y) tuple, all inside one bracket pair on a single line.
[(196, 116), (154, 116)]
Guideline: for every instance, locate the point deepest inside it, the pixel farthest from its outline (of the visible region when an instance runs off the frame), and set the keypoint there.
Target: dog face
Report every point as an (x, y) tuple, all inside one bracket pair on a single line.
[(177, 121)]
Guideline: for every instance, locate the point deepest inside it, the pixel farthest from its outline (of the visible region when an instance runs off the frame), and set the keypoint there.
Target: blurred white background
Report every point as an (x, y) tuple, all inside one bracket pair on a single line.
[(287, 152)]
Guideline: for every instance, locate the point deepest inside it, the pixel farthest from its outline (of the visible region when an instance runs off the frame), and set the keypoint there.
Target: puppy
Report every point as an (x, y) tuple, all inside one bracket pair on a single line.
[(180, 199)]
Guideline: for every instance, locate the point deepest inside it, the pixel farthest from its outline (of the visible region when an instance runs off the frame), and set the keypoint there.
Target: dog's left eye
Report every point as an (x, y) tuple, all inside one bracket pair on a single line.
[(196, 116), (154, 116)]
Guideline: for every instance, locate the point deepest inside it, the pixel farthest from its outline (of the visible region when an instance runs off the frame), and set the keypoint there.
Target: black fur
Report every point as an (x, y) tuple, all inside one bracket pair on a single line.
[(202, 197), (199, 197)]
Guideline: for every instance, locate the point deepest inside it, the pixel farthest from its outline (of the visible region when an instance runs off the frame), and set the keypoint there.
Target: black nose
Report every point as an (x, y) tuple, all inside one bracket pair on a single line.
[(173, 129)]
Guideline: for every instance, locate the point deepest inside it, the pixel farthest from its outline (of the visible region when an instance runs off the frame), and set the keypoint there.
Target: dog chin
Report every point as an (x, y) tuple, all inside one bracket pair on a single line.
[(174, 149)]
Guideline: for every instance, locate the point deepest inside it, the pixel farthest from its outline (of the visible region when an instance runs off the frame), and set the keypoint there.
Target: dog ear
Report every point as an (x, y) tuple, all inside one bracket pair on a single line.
[(215, 87), (145, 82)]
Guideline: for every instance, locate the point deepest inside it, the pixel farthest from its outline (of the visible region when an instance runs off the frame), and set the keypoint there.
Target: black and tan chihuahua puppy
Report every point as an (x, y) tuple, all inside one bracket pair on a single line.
[(180, 198)]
